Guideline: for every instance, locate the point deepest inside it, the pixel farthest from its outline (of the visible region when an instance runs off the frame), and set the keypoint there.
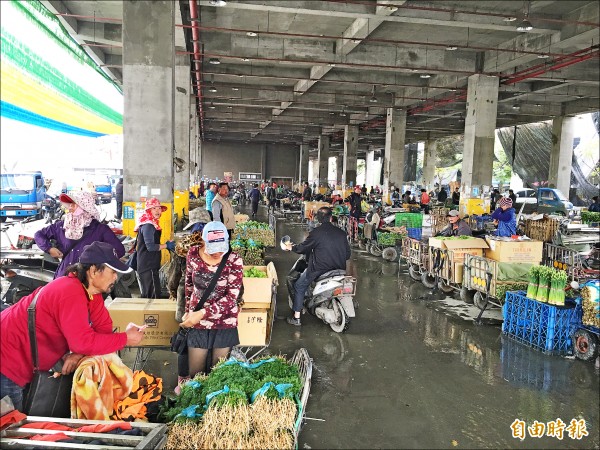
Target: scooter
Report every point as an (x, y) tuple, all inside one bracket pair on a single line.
[(51, 209), (26, 270), (330, 297)]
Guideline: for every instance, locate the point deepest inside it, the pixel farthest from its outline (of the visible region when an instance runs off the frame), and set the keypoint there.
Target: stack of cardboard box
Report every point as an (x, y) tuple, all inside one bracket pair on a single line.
[(256, 317), (513, 251)]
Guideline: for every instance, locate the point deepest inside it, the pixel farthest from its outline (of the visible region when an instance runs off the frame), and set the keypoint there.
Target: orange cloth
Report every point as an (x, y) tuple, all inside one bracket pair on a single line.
[(47, 426), (146, 388), (50, 437), (98, 382), (12, 417)]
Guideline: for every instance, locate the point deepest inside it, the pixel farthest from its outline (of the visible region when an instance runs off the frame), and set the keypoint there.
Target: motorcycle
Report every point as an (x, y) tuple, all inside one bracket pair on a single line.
[(51, 209), (25, 270), (330, 297)]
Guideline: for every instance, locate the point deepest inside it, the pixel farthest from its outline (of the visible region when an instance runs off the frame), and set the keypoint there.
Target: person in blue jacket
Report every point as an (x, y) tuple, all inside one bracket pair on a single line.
[(504, 216)]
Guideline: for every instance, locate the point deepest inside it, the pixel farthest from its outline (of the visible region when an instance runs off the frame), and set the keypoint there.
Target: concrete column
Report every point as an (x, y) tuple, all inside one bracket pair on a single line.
[(263, 162), (429, 163), (339, 169), (323, 158), (148, 91), (480, 131), (303, 166), (369, 168), (393, 163), (561, 157), (410, 166), (350, 149), (182, 121)]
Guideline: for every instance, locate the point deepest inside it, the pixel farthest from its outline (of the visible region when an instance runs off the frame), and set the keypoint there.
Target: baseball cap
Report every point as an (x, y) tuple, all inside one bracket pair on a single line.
[(215, 237), (103, 253), (452, 213)]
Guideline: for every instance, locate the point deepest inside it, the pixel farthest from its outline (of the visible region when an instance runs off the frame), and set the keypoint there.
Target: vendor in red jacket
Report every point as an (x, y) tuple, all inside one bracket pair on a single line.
[(71, 322)]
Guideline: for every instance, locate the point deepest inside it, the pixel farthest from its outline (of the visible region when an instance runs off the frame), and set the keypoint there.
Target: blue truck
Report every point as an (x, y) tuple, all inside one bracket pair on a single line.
[(21, 195)]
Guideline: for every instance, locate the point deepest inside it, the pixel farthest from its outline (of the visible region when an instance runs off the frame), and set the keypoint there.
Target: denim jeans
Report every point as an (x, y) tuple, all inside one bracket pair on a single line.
[(301, 286), (13, 390)]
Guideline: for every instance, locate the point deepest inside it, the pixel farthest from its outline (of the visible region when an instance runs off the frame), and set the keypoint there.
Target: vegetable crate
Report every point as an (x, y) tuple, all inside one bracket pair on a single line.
[(541, 230), (16, 436), (386, 239), (481, 275), (305, 365), (409, 220), (569, 260), (542, 326)]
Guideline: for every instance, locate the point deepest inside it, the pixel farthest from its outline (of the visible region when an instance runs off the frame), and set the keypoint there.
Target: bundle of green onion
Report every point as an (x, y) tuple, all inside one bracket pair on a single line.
[(534, 277), (543, 289), (558, 282)]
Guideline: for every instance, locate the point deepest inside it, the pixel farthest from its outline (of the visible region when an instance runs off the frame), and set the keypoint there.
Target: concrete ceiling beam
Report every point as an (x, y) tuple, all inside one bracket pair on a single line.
[(101, 32)]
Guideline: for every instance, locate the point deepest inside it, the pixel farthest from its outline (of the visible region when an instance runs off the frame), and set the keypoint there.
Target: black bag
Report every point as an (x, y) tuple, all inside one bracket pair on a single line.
[(45, 395), (179, 339)]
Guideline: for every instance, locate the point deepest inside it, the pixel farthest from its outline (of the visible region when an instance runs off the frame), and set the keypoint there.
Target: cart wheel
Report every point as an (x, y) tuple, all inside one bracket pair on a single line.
[(413, 271), (389, 254), (428, 280), (375, 250), (362, 244), (479, 300), (586, 345), (445, 287), (466, 295)]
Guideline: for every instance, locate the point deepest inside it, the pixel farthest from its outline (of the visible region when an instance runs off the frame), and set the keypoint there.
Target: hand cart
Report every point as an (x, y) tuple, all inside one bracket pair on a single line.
[(586, 338), (443, 274), (481, 275), (570, 261), (16, 436), (417, 257), (387, 250)]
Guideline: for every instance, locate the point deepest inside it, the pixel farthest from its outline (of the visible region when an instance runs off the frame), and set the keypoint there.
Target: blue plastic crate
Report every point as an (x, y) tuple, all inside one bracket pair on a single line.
[(545, 327), (415, 233)]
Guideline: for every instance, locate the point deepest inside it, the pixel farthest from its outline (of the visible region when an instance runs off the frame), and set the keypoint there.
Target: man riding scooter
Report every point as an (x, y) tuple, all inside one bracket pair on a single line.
[(326, 248)]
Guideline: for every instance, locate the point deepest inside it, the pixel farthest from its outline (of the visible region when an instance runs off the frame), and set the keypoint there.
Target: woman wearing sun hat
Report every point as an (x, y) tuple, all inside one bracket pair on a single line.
[(79, 228), (214, 326), (505, 218), (148, 248)]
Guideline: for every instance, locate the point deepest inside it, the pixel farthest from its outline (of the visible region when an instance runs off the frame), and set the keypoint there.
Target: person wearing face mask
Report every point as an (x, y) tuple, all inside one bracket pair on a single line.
[(149, 248), (214, 325), (79, 228)]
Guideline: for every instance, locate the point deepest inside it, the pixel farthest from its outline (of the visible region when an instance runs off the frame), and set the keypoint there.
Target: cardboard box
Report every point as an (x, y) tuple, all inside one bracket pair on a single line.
[(515, 251), (158, 314), (460, 247), (258, 291), (254, 326), (310, 208)]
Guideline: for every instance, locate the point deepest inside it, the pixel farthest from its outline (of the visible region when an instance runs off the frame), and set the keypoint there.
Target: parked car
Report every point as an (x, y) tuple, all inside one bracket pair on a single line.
[(543, 201)]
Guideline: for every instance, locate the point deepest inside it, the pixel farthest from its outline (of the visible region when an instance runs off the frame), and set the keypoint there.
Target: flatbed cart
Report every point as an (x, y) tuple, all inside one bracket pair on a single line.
[(570, 261), (154, 435), (444, 276), (415, 254), (481, 276)]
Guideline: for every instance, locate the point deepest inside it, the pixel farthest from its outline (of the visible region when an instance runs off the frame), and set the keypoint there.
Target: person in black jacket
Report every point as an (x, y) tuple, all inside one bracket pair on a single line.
[(326, 248), (442, 195), (307, 192), (456, 197)]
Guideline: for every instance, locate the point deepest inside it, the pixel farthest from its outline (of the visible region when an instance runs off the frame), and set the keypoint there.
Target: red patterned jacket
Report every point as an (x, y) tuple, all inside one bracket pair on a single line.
[(221, 306)]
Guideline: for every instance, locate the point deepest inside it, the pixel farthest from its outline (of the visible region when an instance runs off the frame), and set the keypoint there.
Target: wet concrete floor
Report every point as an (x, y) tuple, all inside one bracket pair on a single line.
[(414, 371)]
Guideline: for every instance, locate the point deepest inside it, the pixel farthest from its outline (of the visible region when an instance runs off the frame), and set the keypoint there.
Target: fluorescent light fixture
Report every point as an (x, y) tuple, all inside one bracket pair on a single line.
[(214, 61), (246, 59), (373, 100), (235, 89), (212, 105), (251, 34), (510, 19), (525, 25), (451, 48), (543, 56), (516, 107), (425, 75), (217, 3), (212, 89)]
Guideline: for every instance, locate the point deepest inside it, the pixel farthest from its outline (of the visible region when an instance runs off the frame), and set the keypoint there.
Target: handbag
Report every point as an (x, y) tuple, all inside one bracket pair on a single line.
[(46, 395), (179, 339), (132, 261)]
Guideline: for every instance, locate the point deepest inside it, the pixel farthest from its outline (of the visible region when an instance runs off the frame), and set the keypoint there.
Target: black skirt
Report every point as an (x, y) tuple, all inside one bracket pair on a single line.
[(219, 338)]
